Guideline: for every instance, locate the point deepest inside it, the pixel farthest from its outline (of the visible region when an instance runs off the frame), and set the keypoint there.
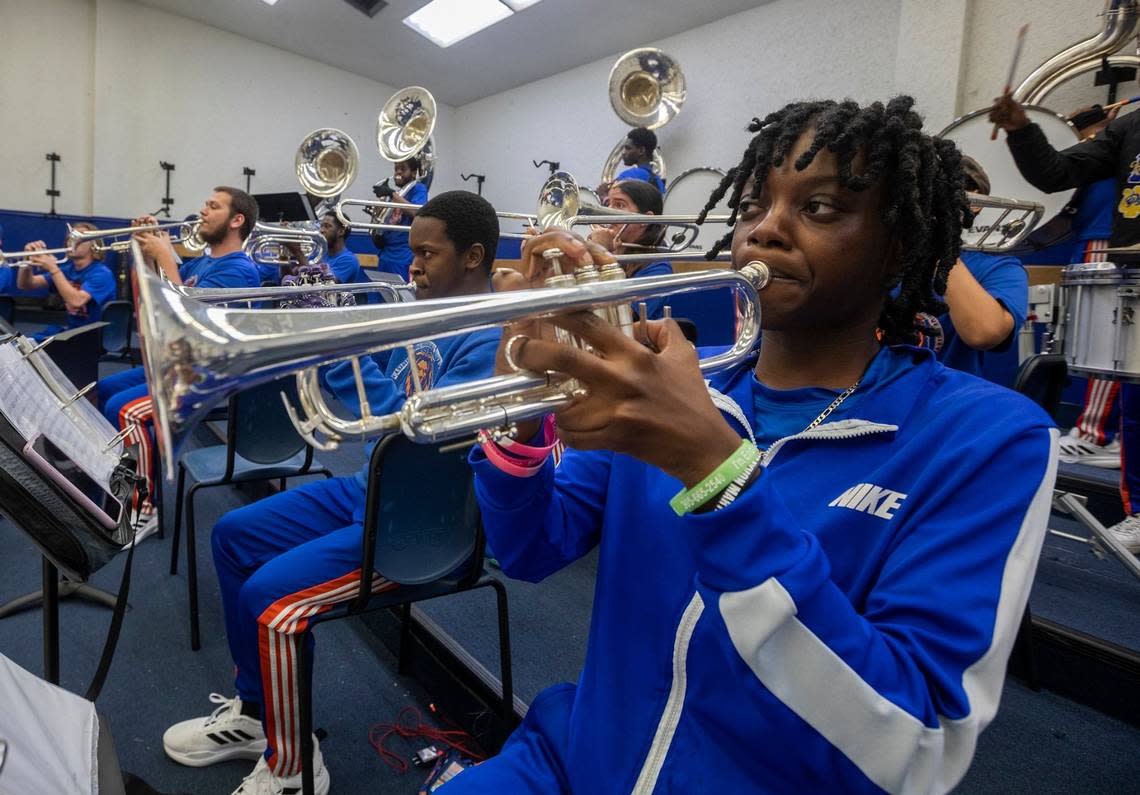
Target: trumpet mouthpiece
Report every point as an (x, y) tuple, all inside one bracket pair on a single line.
[(758, 272)]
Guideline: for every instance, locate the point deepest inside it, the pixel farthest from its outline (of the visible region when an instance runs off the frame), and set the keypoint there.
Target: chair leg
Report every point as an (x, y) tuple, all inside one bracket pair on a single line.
[(177, 519), (192, 570), (505, 672), (282, 484), (157, 497), (405, 637), (305, 710), (1027, 652)]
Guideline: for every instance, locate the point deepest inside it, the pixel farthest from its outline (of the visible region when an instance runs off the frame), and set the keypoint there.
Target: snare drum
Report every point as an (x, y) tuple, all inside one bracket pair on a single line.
[(1097, 322)]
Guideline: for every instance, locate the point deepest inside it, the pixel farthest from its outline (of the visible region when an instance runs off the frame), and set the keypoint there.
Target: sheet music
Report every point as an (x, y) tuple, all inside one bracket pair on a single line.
[(32, 399)]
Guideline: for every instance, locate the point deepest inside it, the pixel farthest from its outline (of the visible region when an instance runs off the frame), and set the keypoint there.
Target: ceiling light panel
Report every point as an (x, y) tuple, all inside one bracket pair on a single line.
[(446, 22)]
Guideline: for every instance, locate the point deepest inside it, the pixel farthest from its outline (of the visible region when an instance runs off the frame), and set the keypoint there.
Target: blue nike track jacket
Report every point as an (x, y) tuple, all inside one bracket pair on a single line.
[(843, 626)]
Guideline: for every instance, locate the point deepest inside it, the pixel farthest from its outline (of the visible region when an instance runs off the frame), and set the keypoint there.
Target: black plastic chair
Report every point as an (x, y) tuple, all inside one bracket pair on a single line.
[(261, 444), (120, 319), (430, 541), (7, 308), (1041, 378)]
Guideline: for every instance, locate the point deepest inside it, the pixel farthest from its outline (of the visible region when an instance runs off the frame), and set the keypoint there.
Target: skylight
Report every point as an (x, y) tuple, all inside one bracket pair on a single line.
[(446, 22)]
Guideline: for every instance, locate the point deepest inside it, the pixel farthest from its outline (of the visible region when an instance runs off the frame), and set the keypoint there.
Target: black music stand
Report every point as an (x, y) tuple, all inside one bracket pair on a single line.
[(277, 207)]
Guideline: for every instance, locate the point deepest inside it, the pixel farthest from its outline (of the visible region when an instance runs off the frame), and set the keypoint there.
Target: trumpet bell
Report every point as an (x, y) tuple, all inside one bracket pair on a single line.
[(326, 162), (560, 200), (647, 88), (405, 124)]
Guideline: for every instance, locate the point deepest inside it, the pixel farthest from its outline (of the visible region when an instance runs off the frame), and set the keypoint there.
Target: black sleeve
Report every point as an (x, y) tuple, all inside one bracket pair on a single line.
[(1082, 164)]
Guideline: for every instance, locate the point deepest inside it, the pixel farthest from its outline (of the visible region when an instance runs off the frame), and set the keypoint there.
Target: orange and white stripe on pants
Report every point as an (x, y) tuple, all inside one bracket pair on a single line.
[(135, 415), (277, 626)]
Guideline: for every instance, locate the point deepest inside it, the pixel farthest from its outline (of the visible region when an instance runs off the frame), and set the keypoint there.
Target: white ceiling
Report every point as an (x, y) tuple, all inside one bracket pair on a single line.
[(541, 41)]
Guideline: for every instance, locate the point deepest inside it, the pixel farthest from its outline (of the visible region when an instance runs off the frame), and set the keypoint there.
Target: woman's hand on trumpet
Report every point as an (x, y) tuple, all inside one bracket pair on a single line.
[(648, 402)]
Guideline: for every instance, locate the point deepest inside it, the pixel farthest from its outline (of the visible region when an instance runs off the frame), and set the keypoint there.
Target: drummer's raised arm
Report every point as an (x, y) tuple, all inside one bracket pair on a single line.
[(1082, 164)]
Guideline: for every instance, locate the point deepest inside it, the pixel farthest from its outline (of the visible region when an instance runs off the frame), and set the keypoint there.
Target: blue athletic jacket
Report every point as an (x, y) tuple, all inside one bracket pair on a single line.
[(844, 625), (388, 379)]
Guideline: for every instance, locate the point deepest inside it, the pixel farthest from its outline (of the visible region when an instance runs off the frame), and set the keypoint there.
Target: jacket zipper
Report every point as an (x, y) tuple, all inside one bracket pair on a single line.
[(671, 715)]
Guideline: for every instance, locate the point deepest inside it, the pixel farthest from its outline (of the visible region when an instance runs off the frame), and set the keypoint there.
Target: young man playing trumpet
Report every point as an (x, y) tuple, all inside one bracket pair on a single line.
[(227, 216), (812, 566), (302, 546), (84, 283)]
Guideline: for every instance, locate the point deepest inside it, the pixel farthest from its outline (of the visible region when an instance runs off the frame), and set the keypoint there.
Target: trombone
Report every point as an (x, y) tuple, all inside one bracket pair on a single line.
[(188, 236), (394, 292)]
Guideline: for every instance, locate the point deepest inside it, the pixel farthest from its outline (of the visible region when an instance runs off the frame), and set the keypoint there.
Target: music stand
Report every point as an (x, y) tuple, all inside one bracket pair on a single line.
[(278, 207)]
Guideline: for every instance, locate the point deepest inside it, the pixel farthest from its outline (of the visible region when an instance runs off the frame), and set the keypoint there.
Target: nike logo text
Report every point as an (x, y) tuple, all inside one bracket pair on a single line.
[(869, 498)]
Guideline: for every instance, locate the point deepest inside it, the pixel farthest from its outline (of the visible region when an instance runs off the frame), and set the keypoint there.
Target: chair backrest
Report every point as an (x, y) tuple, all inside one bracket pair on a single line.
[(7, 308), (259, 429), (421, 502), (1042, 379), (118, 315)]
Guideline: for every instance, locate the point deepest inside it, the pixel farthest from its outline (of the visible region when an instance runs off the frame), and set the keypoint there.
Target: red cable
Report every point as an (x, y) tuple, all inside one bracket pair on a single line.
[(410, 723)]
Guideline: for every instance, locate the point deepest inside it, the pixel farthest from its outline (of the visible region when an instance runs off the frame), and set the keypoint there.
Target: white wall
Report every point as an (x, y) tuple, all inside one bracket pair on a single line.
[(46, 102), (115, 87), (166, 88), (743, 65)]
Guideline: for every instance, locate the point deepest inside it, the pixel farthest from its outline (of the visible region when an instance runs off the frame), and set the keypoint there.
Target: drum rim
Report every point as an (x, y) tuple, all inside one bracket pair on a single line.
[(975, 113)]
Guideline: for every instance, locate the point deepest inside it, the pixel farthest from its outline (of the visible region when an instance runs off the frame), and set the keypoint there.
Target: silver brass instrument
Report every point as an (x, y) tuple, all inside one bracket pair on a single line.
[(1001, 234), (197, 354), (21, 259), (394, 292), (646, 88), (268, 244), (403, 131), (326, 162), (376, 226), (188, 236)]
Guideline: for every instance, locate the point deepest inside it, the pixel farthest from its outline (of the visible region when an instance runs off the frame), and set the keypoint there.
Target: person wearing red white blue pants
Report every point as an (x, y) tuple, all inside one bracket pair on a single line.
[(282, 560)]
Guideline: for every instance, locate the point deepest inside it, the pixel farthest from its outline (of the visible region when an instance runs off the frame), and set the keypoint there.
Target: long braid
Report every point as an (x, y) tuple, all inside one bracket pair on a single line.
[(925, 198)]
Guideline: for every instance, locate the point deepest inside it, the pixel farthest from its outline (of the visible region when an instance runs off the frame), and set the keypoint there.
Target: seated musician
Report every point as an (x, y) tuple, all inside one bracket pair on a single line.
[(227, 218), (343, 263), (635, 196), (637, 154), (305, 542), (987, 298), (84, 283), (1113, 153), (395, 255), (834, 614)]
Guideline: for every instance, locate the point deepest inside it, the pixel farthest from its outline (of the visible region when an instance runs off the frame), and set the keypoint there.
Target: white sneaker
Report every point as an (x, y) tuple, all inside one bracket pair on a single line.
[(1127, 532), (223, 734), (1076, 450), (262, 781), (145, 526)]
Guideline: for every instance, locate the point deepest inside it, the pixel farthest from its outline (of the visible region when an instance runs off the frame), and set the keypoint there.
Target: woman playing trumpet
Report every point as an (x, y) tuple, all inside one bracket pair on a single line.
[(835, 612)]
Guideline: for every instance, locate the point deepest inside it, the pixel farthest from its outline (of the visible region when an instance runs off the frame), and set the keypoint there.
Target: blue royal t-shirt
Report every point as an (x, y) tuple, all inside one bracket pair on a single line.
[(97, 281), (235, 269), (7, 280), (395, 255), (654, 306), (1003, 278), (643, 174), (346, 267)]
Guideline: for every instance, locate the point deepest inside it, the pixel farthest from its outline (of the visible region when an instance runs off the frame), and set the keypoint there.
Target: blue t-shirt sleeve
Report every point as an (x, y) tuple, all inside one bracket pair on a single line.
[(231, 271), (100, 285), (1004, 278), (418, 194), (345, 267)]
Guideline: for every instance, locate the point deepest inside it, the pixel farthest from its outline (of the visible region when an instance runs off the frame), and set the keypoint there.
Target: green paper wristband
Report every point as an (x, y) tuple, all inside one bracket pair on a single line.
[(687, 500)]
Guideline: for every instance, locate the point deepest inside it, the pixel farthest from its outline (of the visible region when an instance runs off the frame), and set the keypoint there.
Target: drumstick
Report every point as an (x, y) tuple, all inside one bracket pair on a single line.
[(1121, 103), (1012, 68)]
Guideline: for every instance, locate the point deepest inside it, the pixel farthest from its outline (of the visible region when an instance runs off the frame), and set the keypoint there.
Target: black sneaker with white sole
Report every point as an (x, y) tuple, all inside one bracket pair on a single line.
[(223, 734)]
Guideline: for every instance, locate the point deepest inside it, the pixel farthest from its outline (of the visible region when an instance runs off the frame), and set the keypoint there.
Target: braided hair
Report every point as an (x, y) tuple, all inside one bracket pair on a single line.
[(926, 206)]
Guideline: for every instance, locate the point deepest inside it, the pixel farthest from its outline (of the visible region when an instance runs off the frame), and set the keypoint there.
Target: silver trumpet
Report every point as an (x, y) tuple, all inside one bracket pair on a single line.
[(187, 235), (268, 244), (22, 259), (394, 292), (197, 355)]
